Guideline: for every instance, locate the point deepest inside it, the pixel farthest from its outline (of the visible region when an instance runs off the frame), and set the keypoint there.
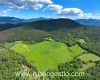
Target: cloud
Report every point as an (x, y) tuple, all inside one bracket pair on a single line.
[(45, 5), (60, 10), (55, 7), (71, 12), (37, 6), (5, 12), (25, 4), (91, 15)]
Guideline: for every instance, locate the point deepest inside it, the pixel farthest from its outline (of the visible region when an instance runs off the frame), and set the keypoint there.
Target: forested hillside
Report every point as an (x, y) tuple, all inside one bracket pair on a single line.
[(39, 45), (59, 29)]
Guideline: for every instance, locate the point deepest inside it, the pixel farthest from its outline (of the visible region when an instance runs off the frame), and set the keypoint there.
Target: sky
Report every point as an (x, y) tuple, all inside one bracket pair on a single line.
[(74, 9)]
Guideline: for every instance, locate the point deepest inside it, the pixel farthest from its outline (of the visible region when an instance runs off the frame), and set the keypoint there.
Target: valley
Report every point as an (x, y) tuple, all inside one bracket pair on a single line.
[(50, 45)]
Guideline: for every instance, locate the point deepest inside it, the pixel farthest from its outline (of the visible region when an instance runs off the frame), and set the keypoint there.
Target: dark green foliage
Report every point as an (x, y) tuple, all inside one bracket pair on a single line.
[(54, 24), (93, 73), (8, 26), (10, 63), (89, 49), (70, 67), (91, 36), (22, 33), (73, 66), (29, 42)]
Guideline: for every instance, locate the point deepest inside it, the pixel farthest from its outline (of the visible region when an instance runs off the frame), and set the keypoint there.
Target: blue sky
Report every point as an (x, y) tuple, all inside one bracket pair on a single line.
[(50, 8)]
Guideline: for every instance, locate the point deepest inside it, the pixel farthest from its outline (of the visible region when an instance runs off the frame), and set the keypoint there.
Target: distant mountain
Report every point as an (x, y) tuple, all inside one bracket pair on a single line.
[(89, 22), (14, 20), (10, 20)]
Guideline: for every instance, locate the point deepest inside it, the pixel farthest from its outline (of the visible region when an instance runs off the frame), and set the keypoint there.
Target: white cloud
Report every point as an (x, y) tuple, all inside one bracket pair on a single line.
[(22, 4), (55, 7), (60, 10), (71, 12), (91, 15), (38, 4), (5, 12), (9, 10)]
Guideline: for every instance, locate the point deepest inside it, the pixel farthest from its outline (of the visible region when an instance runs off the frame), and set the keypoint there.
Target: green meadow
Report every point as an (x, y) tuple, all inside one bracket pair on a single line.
[(89, 60), (89, 57), (47, 55)]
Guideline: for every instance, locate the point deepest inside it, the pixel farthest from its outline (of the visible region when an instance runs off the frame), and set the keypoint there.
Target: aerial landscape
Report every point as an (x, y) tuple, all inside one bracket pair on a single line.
[(49, 40)]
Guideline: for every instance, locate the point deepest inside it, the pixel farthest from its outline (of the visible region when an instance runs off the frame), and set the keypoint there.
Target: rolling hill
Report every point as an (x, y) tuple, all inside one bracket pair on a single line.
[(33, 29), (59, 44), (5, 26), (58, 29)]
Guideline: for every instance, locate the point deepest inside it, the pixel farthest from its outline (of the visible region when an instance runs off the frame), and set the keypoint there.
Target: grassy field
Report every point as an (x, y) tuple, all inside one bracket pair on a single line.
[(89, 57), (47, 55)]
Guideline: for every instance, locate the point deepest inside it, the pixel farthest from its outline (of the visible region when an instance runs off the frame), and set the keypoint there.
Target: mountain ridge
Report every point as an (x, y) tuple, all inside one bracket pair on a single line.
[(58, 29), (89, 22)]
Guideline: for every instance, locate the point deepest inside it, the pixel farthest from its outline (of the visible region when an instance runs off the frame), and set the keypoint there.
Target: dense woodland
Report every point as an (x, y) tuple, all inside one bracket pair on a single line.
[(10, 63)]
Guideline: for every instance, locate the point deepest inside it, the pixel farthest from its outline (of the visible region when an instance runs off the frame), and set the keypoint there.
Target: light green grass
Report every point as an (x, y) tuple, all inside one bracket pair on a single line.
[(87, 66), (89, 57), (47, 55), (9, 44)]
